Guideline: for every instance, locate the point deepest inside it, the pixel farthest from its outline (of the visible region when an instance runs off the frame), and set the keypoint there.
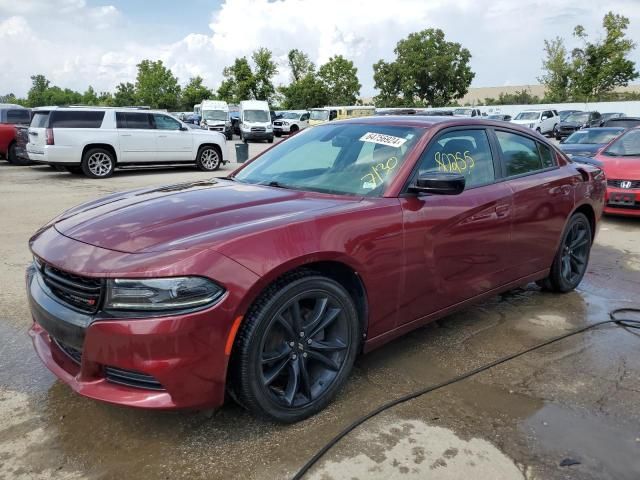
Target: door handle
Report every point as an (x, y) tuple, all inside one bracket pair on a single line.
[(162, 136), (503, 210), (125, 134)]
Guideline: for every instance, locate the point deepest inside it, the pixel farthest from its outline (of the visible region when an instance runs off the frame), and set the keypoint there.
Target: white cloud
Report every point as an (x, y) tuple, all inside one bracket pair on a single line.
[(75, 44)]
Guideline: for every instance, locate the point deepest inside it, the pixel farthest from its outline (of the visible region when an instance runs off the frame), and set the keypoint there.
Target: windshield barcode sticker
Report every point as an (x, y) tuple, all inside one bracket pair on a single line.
[(383, 139)]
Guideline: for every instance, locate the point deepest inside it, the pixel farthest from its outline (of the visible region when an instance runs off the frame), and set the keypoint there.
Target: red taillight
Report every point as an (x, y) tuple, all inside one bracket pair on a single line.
[(50, 140)]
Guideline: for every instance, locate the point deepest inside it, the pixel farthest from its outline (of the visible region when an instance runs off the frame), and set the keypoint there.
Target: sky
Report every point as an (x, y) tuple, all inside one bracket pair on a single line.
[(76, 43)]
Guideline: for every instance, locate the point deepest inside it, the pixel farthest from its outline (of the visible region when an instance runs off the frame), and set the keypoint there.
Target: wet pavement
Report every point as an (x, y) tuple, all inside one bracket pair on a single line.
[(576, 400)]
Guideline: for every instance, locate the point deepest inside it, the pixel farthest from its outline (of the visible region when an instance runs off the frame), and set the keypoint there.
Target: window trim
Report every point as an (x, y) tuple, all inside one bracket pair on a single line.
[(503, 163), (498, 176)]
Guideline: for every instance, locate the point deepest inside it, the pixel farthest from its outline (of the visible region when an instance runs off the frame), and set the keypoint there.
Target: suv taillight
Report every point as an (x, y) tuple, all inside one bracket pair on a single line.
[(50, 140)]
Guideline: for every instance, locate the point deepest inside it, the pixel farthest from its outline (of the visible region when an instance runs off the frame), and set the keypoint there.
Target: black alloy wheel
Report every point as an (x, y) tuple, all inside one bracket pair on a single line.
[(572, 258), (296, 348)]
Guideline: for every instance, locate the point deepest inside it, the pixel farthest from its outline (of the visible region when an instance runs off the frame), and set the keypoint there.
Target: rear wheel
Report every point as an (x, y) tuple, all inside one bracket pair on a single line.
[(98, 163), (570, 262), (11, 154), (209, 159), (296, 348)]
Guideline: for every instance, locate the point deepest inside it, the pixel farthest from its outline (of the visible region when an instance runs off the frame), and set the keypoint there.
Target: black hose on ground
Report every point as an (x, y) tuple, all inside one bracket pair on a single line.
[(625, 323)]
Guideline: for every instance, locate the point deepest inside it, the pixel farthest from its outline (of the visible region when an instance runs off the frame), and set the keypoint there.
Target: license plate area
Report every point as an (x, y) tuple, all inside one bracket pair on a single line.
[(622, 199)]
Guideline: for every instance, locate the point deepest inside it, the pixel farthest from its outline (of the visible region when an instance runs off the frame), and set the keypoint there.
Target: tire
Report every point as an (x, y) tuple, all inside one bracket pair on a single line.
[(293, 129), (570, 263), (278, 134), (270, 139), (12, 158), (229, 136), (208, 159), (277, 389), (98, 163)]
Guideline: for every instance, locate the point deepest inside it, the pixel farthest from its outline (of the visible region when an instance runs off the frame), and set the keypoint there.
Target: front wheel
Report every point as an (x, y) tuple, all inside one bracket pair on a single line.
[(98, 163), (270, 139), (296, 348), (11, 154), (209, 159), (570, 263)]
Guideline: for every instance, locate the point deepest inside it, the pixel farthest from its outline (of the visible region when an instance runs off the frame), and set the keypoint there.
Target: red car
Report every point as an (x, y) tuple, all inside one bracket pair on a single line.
[(268, 283), (620, 161), (13, 122)]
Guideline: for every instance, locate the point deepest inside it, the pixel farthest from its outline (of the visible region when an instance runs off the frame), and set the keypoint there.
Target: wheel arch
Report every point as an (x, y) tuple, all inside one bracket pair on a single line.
[(214, 145), (588, 212), (105, 146)]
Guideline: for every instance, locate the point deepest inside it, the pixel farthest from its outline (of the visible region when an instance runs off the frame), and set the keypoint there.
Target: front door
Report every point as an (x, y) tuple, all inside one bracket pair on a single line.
[(137, 137), (456, 247), (173, 144)]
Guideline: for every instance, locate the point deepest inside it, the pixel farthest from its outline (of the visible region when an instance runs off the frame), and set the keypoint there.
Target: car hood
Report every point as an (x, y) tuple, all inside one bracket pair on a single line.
[(620, 168), (524, 122), (570, 124), (197, 214)]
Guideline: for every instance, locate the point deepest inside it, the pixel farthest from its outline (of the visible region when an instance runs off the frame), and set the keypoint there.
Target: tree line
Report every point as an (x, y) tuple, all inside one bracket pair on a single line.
[(427, 71)]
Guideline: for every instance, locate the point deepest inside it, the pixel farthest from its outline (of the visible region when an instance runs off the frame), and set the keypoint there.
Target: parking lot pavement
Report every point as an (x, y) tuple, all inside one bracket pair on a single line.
[(578, 399)]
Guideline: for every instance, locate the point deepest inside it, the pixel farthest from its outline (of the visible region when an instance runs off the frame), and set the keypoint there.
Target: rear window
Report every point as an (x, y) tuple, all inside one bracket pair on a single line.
[(75, 119), (17, 116), (40, 119)]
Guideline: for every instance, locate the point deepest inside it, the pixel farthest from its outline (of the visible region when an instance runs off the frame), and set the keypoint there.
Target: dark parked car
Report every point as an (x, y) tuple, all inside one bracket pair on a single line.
[(588, 141), (397, 111), (576, 121), (504, 118), (194, 118), (563, 114), (11, 148), (609, 116), (270, 282), (436, 113), (623, 122)]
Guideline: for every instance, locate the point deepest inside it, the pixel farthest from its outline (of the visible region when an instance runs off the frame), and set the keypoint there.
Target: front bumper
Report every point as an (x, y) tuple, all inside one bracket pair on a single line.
[(620, 201), (186, 354), (257, 135)]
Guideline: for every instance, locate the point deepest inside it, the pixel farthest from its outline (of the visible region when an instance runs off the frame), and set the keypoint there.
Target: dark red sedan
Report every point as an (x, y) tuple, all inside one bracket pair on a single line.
[(268, 283), (620, 161)]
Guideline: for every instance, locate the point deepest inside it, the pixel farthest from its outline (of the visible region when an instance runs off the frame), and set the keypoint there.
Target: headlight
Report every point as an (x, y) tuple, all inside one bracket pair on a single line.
[(269, 127), (161, 293), (285, 124)]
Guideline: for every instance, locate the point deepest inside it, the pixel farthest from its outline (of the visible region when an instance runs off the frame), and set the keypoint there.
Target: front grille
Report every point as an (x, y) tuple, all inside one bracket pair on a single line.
[(131, 378), (635, 184), (258, 129), (82, 293), (217, 129), (635, 206), (74, 354), (277, 124)]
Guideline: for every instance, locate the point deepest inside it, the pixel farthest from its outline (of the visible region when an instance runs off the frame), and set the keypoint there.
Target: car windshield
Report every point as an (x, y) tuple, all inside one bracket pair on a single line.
[(627, 145), (528, 116), (220, 115), (578, 118), (256, 116), (564, 114), (599, 135), (290, 115), (319, 115), (39, 119), (348, 159), (462, 111)]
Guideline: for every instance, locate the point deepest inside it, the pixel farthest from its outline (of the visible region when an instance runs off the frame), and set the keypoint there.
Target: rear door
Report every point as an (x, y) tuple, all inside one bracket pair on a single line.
[(543, 197), (172, 143), (137, 137), (458, 246), (37, 132)]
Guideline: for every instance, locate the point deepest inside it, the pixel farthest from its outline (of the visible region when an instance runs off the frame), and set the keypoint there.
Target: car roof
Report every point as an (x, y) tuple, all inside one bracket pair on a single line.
[(11, 106)]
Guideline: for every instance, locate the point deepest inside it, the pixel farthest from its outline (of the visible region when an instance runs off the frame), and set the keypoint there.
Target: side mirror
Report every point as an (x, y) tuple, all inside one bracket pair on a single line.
[(183, 128), (439, 183), (562, 140)]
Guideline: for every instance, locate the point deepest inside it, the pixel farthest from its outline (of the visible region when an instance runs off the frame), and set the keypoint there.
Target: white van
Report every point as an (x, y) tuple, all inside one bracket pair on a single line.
[(255, 121), (215, 117)]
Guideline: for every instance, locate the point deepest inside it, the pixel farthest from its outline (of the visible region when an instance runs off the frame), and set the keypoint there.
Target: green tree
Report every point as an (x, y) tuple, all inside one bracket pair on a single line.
[(90, 97), (340, 79), (105, 99), (195, 92), (299, 64), (599, 67), (238, 83), (308, 92), (427, 68), (265, 70), (156, 86), (125, 95), (388, 81), (37, 95), (557, 71)]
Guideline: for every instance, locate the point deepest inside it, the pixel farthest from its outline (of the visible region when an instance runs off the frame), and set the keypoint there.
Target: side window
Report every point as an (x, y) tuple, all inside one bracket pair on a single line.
[(75, 119), (121, 122), (547, 156), (139, 121), (461, 151), (164, 122), (520, 153), (16, 116), (304, 117), (333, 114)]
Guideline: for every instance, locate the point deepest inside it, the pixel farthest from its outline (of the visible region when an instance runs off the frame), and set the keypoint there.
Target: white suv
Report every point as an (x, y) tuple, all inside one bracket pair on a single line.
[(542, 121), (94, 140), (291, 122)]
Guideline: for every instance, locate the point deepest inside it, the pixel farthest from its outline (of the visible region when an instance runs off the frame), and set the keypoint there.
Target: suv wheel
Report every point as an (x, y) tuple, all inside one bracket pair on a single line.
[(296, 347), (98, 163), (293, 129), (208, 159)]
